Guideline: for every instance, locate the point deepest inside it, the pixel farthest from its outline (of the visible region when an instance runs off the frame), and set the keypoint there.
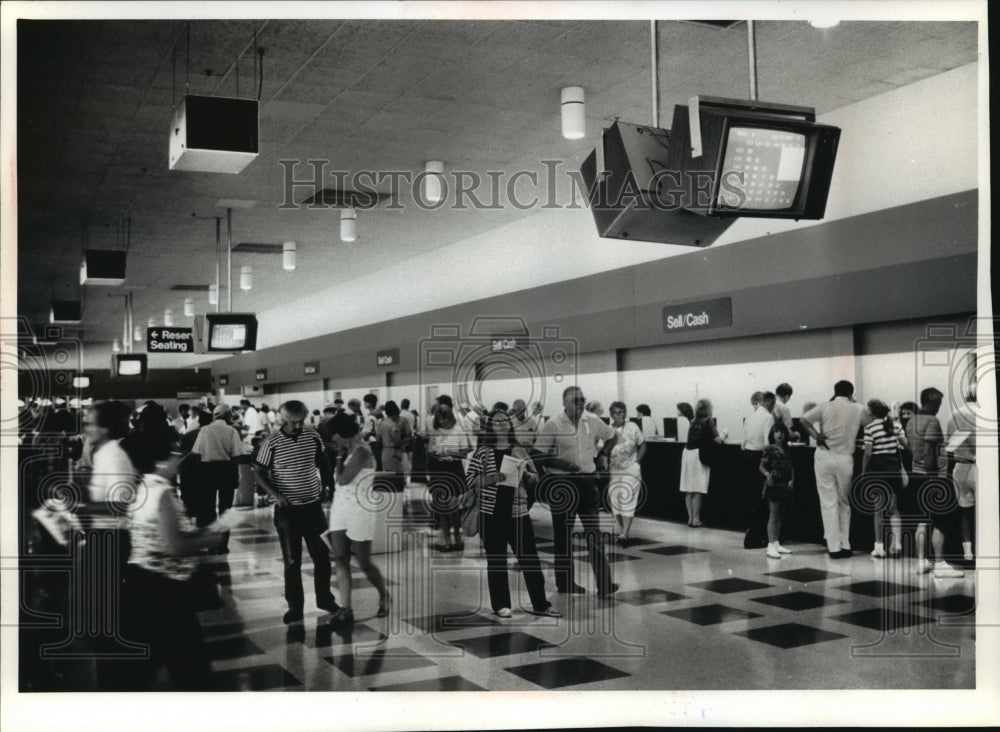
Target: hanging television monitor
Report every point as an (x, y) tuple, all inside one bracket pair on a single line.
[(131, 366), (228, 332), (745, 158), (80, 380)]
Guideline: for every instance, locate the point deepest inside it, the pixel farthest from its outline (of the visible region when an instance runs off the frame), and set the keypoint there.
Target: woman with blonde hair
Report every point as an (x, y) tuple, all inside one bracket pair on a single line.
[(694, 473)]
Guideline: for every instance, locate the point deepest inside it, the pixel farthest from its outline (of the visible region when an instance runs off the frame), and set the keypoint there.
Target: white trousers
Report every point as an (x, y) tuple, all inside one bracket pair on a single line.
[(833, 484)]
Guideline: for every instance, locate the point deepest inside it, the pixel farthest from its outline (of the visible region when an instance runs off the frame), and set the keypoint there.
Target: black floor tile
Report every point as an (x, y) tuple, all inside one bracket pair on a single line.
[(648, 597), (256, 678), (798, 600), (501, 644), (877, 588), (566, 672), (669, 551), (447, 683), (882, 619), (710, 614), (729, 585), (450, 621), (805, 574), (327, 636), (952, 604), (383, 661), (790, 635), (238, 647)]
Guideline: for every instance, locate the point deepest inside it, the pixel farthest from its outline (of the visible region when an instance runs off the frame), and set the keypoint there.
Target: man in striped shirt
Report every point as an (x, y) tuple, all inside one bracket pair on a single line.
[(286, 470)]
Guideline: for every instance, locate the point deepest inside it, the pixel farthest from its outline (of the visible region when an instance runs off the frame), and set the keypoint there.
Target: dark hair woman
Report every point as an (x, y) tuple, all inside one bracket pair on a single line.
[(449, 445), (503, 506), (881, 467)]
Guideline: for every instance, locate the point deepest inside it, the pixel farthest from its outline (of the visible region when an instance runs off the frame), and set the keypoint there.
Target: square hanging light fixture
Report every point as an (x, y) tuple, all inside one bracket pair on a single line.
[(246, 277), (188, 307)]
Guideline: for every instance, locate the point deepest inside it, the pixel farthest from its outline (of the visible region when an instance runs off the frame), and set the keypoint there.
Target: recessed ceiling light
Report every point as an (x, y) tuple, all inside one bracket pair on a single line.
[(824, 23)]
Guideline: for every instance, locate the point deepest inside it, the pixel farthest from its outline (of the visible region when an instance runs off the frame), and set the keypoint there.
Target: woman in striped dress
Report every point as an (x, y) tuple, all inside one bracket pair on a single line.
[(881, 465), (504, 512)]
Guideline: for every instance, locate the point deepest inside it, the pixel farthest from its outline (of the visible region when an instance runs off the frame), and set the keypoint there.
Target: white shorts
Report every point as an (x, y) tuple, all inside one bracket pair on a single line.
[(353, 513)]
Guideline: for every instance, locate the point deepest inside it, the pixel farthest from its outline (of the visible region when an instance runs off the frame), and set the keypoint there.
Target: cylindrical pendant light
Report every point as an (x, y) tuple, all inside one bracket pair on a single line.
[(573, 125), (168, 317), (137, 334), (116, 347), (151, 322), (246, 277), (288, 255), (213, 294), (188, 307), (348, 224), (433, 181)]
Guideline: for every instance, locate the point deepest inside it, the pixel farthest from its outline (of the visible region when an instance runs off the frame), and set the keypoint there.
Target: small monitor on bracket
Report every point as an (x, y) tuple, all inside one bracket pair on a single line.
[(746, 158), (228, 332), (131, 366)]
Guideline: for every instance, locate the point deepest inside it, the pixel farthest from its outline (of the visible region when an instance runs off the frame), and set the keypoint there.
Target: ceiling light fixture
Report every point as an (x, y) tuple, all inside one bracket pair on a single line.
[(188, 307), (830, 23), (168, 318), (151, 322), (433, 183), (348, 224), (288, 255), (573, 122), (246, 277), (116, 347), (137, 334), (213, 294)]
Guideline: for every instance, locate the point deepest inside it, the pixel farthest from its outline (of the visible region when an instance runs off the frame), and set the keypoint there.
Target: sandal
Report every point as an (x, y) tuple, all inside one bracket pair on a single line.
[(343, 616)]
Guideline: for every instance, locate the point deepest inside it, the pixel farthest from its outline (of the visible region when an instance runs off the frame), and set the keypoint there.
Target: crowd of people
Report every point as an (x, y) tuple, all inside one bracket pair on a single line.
[(160, 484)]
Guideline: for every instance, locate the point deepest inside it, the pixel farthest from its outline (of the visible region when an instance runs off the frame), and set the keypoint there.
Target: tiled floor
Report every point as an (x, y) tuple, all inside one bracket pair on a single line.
[(695, 611)]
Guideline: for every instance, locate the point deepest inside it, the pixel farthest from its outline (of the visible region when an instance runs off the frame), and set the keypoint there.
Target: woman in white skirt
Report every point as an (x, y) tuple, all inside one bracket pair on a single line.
[(694, 473), (626, 475), (352, 515)]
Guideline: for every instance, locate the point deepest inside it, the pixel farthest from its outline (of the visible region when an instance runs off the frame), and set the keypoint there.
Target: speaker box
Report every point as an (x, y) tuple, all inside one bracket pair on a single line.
[(634, 196), (66, 311), (213, 134), (103, 267)]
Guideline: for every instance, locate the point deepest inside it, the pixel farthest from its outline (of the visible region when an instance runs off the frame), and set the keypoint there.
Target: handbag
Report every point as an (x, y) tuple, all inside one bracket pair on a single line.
[(470, 512)]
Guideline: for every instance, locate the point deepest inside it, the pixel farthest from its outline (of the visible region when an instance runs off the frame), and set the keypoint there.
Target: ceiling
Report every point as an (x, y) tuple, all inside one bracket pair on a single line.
[(95, 101)]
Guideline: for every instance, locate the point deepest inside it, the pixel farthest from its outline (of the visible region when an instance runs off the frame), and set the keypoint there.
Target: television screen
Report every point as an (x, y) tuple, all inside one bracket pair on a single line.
[(231, 332), (670, 428), (81, 381), (747, 158), (768, 162), (130, 365)]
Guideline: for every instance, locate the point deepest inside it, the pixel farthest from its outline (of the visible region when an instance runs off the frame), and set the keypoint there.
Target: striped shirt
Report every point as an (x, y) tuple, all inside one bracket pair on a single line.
[(881, 441), (484, 462), (291, 463)]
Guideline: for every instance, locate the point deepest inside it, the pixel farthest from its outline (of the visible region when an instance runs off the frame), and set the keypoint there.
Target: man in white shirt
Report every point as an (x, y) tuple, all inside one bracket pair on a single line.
[(756, 429), (251, 419), (568, 447), (839, 420), (217, 445)]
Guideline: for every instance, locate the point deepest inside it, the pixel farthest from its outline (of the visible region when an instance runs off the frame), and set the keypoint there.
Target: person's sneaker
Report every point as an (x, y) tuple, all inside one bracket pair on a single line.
[(505, 612), (772, 551), (611, 590), (572, 590), (924, 566), (943, 569), (878, 552), (292, 616), (783, 550), (549, 612)]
